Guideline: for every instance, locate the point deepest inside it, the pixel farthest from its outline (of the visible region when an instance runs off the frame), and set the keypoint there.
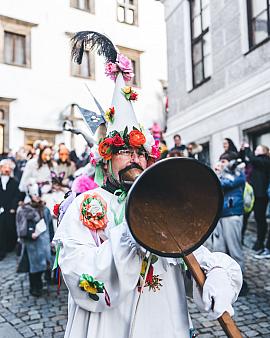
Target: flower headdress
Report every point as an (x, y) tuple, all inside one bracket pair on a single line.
[(122, 130)]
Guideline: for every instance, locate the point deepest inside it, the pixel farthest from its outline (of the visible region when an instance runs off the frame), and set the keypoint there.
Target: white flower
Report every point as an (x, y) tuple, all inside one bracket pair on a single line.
[(94, 207)]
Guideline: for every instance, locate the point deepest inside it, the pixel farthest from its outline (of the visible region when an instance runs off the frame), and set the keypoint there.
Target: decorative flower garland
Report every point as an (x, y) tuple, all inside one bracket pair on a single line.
[(94, 212), (129, 93), (91, 286), (152, 281), (121, 140)]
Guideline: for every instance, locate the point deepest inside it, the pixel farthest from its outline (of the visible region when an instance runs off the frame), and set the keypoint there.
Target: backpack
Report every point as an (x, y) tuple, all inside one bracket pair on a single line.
[(249, 198)]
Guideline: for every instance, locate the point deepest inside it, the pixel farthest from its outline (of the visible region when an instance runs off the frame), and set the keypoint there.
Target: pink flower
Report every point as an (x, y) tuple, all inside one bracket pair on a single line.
[(111, 70), (122, 64), (125, 65), (155, 150), (92, 159)]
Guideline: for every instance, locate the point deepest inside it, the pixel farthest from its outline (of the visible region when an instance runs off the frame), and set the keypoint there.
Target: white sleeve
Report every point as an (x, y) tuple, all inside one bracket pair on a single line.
[(116, 262)]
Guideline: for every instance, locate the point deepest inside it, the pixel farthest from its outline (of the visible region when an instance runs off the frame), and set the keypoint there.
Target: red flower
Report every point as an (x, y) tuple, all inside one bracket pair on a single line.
[(56, 210), (118, 141), (149, 277), (136, 138), (104, 148), (133, 96)]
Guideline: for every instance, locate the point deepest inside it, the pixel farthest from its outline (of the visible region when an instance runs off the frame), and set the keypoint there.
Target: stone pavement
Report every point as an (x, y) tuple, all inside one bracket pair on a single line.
[(23, 316)]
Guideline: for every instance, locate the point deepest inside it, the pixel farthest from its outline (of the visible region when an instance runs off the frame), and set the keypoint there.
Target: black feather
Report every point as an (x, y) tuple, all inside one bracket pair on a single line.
[(92, 40)]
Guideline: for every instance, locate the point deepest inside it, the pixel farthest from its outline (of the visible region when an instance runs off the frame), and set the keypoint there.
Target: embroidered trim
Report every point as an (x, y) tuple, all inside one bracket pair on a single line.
[(152, 281)]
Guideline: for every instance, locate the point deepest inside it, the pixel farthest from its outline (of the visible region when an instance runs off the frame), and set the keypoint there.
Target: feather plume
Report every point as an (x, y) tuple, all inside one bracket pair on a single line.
[(93, 41)]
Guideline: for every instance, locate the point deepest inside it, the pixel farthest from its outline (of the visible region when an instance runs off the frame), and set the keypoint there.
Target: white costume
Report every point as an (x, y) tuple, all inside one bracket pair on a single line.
[(117, 263), (111, 256)]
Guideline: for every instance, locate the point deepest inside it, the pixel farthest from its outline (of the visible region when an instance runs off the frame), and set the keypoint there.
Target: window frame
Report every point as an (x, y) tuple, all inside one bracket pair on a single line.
[(18, 27), (194, 41), (135, 56), (5, 122), (251, 44), (90, 9), (91, 65), (126, 5)]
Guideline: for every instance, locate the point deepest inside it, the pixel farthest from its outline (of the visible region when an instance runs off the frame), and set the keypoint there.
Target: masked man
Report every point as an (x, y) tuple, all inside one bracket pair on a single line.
[(102, 265)]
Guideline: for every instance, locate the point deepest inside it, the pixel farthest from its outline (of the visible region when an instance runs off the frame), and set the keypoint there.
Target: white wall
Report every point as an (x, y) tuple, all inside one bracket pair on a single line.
[(46, 89)]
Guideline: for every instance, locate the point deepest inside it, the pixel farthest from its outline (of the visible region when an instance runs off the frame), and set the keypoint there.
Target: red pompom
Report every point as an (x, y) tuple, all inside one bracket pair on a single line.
[(56, 209)]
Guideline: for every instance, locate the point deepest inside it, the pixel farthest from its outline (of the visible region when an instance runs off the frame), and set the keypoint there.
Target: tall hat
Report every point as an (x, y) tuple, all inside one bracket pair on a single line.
[(122, 128)]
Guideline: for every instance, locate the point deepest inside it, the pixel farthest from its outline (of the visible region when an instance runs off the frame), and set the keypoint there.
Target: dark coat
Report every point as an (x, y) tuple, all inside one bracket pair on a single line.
[(260, 172), (9, 199)]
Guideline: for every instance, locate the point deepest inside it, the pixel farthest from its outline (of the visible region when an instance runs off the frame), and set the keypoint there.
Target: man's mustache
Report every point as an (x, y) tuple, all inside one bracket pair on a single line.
[(131, 166)]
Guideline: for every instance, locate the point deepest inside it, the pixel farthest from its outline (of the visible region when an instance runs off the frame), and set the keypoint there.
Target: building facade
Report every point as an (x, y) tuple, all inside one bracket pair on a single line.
[(218, 72), (38, 81)]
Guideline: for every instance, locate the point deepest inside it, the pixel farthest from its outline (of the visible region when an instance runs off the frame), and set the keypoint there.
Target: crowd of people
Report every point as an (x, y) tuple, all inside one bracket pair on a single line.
[(33, 181), (36, 178)]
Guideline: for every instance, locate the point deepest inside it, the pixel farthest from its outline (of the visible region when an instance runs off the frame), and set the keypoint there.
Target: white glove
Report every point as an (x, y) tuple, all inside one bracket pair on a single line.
[(217, 293)]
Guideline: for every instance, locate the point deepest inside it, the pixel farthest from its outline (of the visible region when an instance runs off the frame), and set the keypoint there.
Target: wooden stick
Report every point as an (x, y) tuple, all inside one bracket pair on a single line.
[(226, 322)]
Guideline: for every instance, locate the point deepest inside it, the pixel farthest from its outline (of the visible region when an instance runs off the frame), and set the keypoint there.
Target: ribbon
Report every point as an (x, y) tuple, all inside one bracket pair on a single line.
[(120, 199), (99, 175)]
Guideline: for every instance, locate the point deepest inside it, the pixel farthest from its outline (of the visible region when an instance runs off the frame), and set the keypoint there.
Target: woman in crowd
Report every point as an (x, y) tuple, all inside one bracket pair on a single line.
[(35, 233), (229, 146), (40, 169), (65, 165)]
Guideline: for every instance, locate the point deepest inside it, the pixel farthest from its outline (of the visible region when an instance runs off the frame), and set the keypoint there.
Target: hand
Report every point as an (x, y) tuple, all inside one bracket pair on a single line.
[(34, 236), (217, 294), (12, 211)]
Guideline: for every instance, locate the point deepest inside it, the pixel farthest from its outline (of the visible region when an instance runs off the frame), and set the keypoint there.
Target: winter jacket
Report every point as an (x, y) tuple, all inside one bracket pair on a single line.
[(260, 174), (233, 187)]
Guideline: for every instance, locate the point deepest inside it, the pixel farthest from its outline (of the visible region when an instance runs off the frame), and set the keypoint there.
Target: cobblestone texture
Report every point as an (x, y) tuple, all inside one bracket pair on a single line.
[(46, 316)]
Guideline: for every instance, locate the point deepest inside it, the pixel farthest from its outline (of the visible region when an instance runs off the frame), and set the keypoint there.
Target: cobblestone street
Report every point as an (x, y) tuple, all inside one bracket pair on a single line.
[(22, 315)]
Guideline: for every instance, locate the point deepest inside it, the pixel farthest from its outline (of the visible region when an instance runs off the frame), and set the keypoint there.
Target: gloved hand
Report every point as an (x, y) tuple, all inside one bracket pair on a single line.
[(217, 295)]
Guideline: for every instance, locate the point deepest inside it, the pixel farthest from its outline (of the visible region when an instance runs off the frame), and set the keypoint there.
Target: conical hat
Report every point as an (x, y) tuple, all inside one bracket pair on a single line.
[(124, 112)]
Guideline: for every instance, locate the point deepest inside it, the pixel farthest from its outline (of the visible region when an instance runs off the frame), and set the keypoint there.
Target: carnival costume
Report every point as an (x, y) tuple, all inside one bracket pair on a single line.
[(102, 265)]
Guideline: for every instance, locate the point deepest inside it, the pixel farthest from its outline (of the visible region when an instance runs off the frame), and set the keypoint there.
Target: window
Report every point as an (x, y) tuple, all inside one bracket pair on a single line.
[(258, 12), (134, 56), (14, 49), (84, 5), (15, 41), (127, 11), (86, 69), (200, 41)]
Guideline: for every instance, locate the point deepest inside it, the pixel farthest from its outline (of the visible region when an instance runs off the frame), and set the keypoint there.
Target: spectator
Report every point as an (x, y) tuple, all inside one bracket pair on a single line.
[(40, 169), (175, 153), (21, 160), (65, 165), (228, 146), (227, 234), (178, 143), (35, 232), (9, 198), (195, 151), (56, 195), (156, 131), (259, 179)]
